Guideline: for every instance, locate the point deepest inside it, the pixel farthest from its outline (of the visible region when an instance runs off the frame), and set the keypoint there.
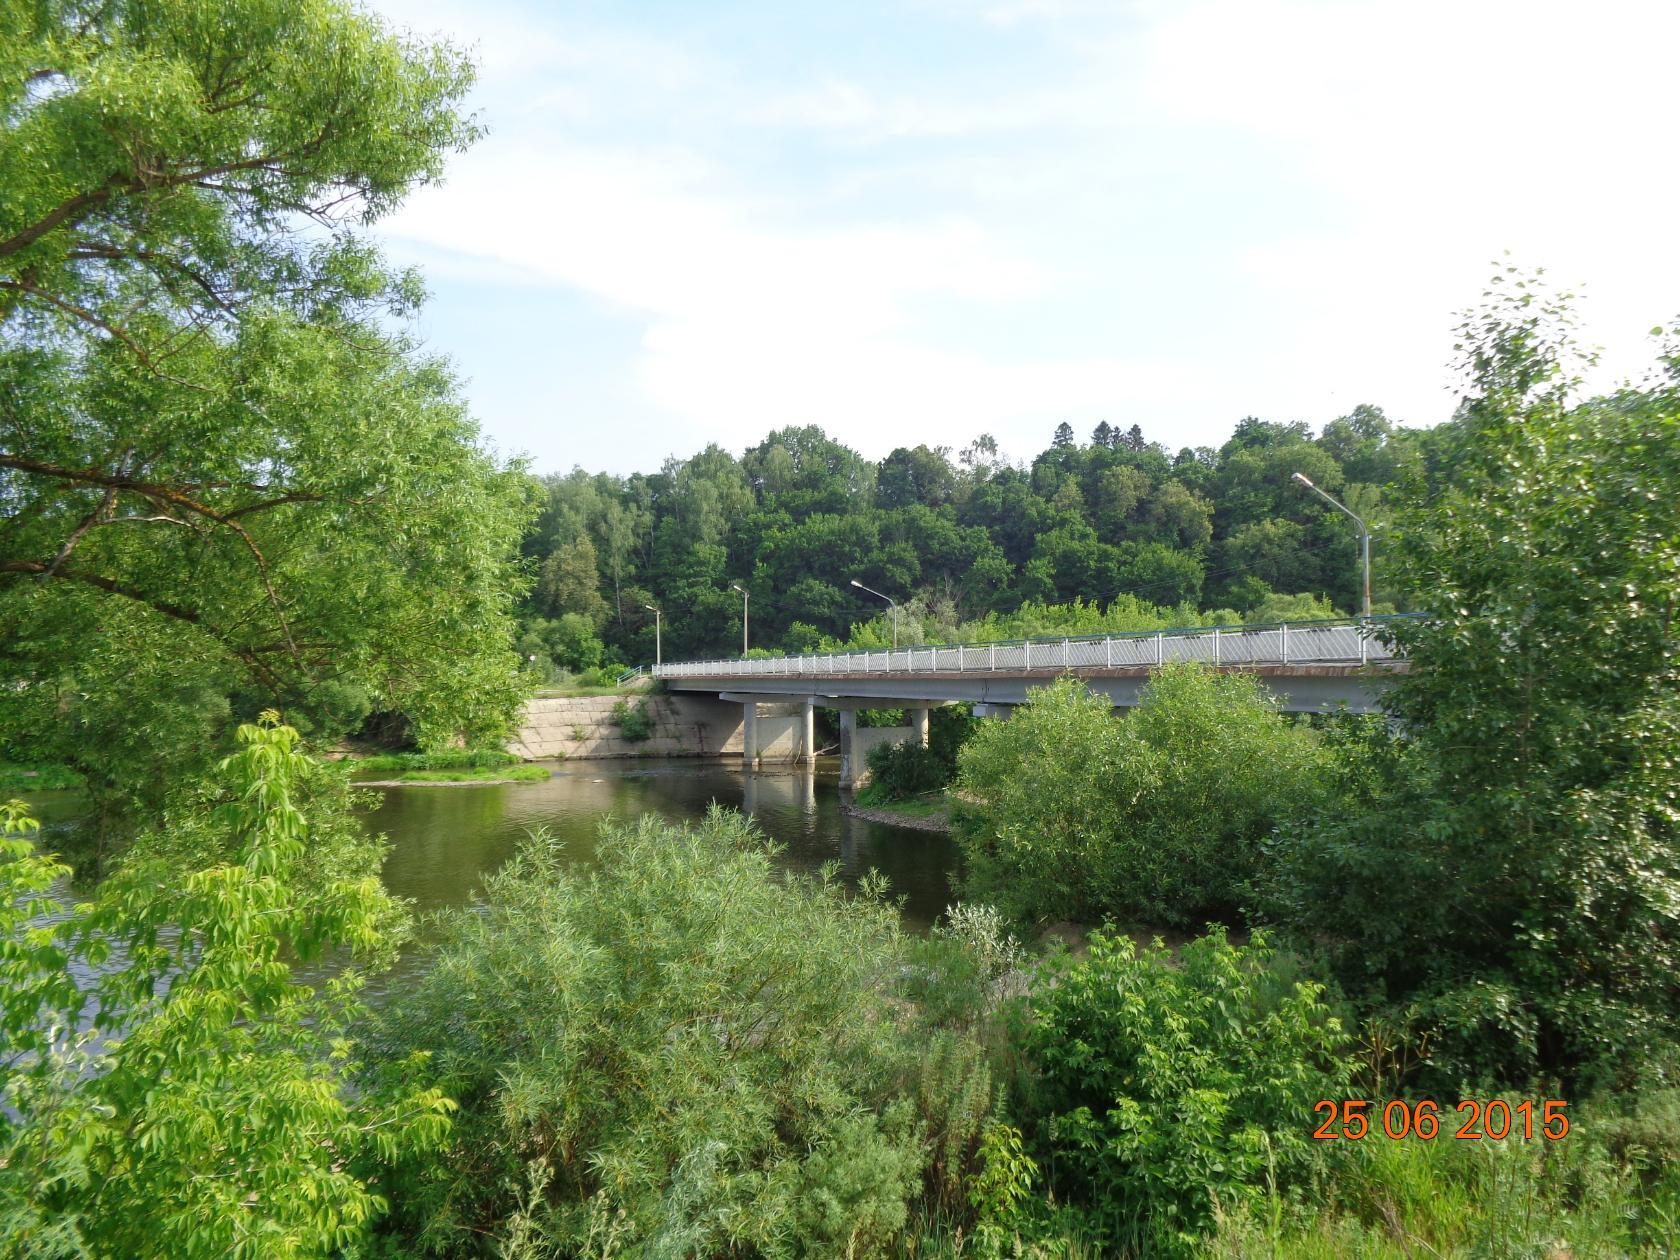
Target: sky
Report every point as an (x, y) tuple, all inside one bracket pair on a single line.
[(918, 222)]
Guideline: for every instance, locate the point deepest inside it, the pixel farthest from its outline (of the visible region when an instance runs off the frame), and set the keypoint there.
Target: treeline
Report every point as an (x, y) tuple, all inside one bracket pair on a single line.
[(795, 519)]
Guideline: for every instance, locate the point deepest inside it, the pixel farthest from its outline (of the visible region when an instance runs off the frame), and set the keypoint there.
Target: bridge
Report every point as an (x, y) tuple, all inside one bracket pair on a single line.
[(1310, 667)]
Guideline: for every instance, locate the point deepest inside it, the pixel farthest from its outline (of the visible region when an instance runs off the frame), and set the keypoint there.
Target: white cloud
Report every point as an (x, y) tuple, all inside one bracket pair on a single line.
[(752, 323), (819, 250), (1449, 133)]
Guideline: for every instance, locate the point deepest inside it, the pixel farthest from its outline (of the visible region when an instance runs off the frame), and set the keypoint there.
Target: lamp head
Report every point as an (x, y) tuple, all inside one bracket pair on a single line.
[(733, 587), (1302, 480), (650, 608), (855, 582)]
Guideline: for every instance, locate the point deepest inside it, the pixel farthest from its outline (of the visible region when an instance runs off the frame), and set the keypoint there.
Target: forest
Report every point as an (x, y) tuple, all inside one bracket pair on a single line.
[(1115, 521)]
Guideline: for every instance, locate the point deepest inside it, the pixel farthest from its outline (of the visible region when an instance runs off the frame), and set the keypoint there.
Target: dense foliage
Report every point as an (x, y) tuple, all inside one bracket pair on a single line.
[(228, 481), (1118, 533), (905, 769), (1158, 817), (684, 1054), (1506, 877), (1169, 1085), (170, 1087)]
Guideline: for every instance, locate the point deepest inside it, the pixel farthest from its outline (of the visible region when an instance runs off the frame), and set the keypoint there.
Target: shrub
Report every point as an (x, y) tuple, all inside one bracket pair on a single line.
[(170, 1086), (1158, 817), (634, 724), (41, 778), (902, 770), (716, 1059), (1166, 1087)]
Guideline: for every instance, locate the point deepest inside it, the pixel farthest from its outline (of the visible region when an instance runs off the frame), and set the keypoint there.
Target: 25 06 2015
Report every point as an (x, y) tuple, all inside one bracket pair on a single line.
[(1470, 1120)]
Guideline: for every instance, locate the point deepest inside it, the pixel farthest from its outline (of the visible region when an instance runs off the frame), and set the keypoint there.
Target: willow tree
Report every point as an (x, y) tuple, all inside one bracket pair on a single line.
[(228, 481)]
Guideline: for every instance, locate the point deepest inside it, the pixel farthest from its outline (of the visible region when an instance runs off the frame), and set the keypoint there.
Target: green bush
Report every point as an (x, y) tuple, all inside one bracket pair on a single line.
[(211, 1053), (688, 1051), (634, 724), (1159, 816), (900, 771), (38, 778), (1168, 1087), (447, 759)]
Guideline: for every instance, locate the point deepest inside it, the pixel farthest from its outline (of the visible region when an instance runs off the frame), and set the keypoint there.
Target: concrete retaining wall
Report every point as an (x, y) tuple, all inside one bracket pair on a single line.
[(582, 727)]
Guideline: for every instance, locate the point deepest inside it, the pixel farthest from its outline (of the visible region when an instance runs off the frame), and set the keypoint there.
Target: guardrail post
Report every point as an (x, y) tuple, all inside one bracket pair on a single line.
[(1216, 647), (1064, 653), (1160, 648), (1108, 652), (991, 656), (1283, 639), (1363, 642)]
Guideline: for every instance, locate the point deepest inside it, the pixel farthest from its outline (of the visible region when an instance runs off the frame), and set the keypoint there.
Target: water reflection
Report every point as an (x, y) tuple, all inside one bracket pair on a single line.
[(444, 841)]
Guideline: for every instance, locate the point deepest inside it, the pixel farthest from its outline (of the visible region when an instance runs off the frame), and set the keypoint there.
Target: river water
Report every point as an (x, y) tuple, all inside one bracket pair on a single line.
[(444, 840)]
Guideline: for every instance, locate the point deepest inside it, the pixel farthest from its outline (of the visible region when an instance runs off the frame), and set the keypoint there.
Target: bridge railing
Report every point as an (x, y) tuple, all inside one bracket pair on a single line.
[(1351, 641)]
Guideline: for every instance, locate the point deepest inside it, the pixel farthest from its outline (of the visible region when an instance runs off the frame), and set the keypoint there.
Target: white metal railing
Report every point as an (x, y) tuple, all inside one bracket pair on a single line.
[(1343, 642)]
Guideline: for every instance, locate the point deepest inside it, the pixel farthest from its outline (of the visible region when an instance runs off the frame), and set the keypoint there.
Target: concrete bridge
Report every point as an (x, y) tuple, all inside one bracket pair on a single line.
[(1309, 666)]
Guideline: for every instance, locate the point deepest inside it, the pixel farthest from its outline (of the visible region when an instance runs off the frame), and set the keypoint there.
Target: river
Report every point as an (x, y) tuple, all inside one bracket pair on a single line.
[(444, 840)]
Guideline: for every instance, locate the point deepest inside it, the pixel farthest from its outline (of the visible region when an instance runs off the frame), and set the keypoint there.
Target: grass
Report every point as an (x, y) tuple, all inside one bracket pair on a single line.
[(1610, 1188), (16, 777), (482, 774), (928, 805), (449, 759)]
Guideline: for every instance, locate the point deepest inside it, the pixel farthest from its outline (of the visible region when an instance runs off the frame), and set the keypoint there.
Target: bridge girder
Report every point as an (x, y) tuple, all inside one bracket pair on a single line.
[(1299, 688)]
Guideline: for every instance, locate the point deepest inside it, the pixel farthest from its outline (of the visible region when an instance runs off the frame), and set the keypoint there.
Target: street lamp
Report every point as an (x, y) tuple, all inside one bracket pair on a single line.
[(744, 598), (890, 600), (657, 656), (1364, 534)]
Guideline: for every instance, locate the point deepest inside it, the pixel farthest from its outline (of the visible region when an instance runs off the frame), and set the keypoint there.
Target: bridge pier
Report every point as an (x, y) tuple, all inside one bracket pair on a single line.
[(848, 746), (749, 734), (918, 719), (784, 732)]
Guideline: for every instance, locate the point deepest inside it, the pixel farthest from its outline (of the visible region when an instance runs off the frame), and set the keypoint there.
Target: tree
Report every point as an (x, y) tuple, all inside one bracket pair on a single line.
[(224, 473), (211, 1115), (1104, 435), (1064, 436), (920, 476), (1157, 818), (1525, 822), (571, 583)]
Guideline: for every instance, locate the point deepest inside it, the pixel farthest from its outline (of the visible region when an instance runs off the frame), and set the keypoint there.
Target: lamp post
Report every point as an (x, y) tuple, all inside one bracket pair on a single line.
[(744, 599), (1364, 534), (658, 656), (890, 600)]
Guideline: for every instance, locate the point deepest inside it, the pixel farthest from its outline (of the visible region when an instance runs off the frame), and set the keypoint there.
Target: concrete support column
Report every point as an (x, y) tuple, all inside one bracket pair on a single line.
[(848, 747), (918, 719), (807, 752), (749, 734)]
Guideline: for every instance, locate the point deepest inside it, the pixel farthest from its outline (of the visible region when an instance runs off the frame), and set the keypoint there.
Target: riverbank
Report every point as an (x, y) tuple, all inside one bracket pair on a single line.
[(922, 814), (459, 778)]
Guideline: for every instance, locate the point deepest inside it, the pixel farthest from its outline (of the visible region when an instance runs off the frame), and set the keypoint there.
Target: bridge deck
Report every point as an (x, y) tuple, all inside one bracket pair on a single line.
[(1284, 645)]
